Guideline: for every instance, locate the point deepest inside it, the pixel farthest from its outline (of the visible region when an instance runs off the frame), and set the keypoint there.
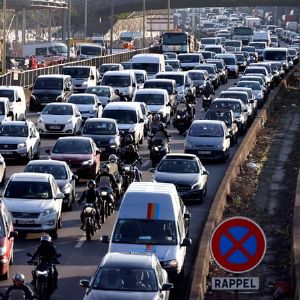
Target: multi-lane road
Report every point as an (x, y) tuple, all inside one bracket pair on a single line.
[(81, 258)]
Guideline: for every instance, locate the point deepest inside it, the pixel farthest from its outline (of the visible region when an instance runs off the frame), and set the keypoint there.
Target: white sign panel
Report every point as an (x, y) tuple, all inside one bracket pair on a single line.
[(235, 283)]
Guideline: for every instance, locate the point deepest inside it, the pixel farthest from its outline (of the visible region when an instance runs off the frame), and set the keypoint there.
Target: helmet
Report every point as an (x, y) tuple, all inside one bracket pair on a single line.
[(18, 279), (113, 158), (129, 139), (91, 184), (161, 126), (46, 238), (105, 169), (131, 148), (189, 91), (207, 83), (156, 117), (117, 92)]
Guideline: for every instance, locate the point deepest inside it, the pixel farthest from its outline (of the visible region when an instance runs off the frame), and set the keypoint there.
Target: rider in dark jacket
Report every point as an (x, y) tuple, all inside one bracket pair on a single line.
[(208, 89)]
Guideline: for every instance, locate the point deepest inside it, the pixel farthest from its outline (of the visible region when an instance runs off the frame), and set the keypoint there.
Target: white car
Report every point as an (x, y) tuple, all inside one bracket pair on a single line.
[(59, 118), (35, 202), (88, 105)]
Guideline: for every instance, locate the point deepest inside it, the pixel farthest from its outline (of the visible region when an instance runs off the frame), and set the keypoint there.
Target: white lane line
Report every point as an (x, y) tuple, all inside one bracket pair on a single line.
[(80, 242)]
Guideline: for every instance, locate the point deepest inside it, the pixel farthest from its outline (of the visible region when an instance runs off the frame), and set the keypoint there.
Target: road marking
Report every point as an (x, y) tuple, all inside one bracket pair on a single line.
[(80, 242)]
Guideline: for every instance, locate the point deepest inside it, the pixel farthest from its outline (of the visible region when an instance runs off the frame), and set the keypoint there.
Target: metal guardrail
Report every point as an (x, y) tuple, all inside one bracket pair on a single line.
[(27, 78)]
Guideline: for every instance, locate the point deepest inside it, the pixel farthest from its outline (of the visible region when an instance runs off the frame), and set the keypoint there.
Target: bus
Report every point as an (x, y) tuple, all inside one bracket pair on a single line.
[(179, 42), (242, 33)]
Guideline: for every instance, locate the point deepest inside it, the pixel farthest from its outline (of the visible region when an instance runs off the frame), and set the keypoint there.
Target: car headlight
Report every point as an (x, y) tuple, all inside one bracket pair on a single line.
[(188, 144), (93, 111), (69, 121), (260, 95), (88, 162), (66, 189), (171, 264), (40, 120), (156, 148), (59, 98), (22, 145), (220, 145), (112, 140), (196, 186), (48, 211)]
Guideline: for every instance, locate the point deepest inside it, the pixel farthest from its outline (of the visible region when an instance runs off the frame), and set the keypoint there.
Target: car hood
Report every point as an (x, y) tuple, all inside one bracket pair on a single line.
[(55, 119), (127, 126), (120, 295), (205, 142), (102, 138), (177, 178), (155, 108), (28, 205), (62, 183), (85, 107), (12, 140), (71, 158), (45, 91)]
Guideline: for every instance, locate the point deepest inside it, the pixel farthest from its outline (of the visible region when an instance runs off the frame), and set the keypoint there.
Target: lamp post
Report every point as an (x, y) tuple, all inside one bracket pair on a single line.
[(4, 38), (69, 28), (144, 23), (169, 13), (112, 17), (85, 17)]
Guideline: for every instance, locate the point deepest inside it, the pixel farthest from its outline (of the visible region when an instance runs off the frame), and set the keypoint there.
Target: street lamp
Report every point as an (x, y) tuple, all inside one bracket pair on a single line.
[(69, 28), (85, 17), (169, 12), (144, 23), (112, 16)]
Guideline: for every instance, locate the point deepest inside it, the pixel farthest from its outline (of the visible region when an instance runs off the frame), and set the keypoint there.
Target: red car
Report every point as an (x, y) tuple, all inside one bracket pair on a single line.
[(80, 153), (7, 236)]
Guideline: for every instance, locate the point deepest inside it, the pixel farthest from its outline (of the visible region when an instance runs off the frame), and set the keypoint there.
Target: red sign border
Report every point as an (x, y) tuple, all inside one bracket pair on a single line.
[(222, 228)]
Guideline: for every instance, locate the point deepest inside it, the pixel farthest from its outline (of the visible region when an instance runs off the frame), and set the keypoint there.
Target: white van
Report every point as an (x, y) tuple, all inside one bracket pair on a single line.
[(262, 36), (86, 51), (17, 101), (141, 77), (189, 60), (124, 81), (151, 219), (151, 63), (129, 117), (277, 54), (4, 109), (157, 101), (82, 77)]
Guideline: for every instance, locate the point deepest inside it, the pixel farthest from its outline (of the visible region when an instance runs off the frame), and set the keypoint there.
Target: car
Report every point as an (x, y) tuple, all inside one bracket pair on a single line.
[(88, 105), (19, 140), (64, 177), (60, 118), (186, 172), (2, 170), (105, 93), (128, 276), (212, 72), (147, 117), (226, 115), (7, 238), (257, 89), (35, 202), (174, 63), (231, 63), (221, 67), (110, 67), (208, 139), (199, 78), (80, 153), (105, 134), (258, 69)]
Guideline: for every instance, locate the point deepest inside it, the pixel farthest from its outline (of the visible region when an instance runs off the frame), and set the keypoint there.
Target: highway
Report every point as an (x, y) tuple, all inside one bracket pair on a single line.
[(80, 258)]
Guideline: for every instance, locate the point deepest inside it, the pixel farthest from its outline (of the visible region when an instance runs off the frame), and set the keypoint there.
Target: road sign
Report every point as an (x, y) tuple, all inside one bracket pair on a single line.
[(235, 283), (238, 245)]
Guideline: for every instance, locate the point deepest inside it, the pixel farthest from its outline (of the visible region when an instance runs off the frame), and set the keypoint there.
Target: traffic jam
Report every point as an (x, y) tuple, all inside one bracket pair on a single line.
[(105, 171)]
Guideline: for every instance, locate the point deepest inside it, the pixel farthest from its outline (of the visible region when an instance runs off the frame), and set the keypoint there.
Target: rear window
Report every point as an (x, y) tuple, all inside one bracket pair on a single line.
[(121, 116), (150, 99), (116, 80), (159, 85), (234, 106)]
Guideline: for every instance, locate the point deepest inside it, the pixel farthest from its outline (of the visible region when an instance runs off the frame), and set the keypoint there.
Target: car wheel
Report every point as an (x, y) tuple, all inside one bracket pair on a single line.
[(29, 156), (59, 225), (141, 141), (37, 154), (3, 178)]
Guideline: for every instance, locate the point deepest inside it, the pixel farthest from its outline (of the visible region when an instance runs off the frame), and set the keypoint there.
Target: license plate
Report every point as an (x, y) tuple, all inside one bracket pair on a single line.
[(6, 152), (25, 222), (102, 149), (54, 127), (204, 152)]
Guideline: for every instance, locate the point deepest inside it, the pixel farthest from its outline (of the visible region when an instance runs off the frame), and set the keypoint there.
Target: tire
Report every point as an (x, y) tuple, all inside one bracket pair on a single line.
[(29, 156), (141, 141), (53, 233), (42, 292), (60, 225), (37, 154), (88, 231), (226, 155)]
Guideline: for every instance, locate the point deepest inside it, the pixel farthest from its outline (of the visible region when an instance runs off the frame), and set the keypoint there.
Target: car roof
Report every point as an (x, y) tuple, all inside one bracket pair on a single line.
[(30, 176), (121, 105), (234, 92), (117, 73), (94, 120), (59, 76), (218, 122), (180, 156), (10, 87), (126, 260), (15, 123), (228, 99), (152, 91), (47, 162), (82, 138), (182, 73), (61, 103), (161, 79)]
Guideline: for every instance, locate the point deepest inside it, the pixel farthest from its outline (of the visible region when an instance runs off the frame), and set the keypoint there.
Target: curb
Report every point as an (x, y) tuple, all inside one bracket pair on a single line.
[(202, 260)]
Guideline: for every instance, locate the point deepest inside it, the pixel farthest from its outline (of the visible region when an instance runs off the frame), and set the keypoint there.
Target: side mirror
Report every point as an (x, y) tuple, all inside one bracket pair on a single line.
[(205, 172), (186, 242), (98, 152), (92, 77), (18, 99), (235, 83), (251, 101), (30, 88), (151, 170), (185, 134), (84, 283), (48, 151), (141, 120), (228, 136), (13, 234), (133, 84), (104, 239), (167, 286), (74, 177), (29, 254), (59, 196), (187, 215), (245, 110)]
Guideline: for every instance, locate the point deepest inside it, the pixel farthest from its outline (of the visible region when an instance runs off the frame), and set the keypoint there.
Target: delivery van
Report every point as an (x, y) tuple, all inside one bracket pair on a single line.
[(152, 219)]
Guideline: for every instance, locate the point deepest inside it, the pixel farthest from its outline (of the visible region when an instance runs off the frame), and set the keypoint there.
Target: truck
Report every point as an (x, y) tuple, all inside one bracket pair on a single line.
[(292, 25), (252, 22)]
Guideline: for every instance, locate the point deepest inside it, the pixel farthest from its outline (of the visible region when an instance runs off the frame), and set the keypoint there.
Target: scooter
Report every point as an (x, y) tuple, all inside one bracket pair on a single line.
[(182, 120), (206, 102), (159, 149)]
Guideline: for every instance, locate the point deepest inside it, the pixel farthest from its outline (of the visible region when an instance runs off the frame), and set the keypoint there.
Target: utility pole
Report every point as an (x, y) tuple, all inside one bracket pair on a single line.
[(112, 21), (169, 13), (69, 28), (85, 17), (144, 23), (4, 37)]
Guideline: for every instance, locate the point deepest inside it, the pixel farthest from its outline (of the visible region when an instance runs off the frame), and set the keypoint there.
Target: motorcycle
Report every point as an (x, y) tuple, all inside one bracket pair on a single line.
[(108, 197), (90, 223), (206, 101), (129, 173), (44, 283), (182, 120), (159, 149)]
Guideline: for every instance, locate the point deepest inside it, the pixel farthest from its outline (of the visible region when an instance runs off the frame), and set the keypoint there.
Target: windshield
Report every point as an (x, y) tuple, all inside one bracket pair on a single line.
[(229, 60), (209, 69), (58, 110), (148, 67), (72, 146), (48, 84), (233, 43), (241, 96), (208, 25), (255, 71), (8, 94), (116, 80), (59, 172), (86, 50), (77, 72), (248, 48), (2, 108), (242, 31), (173, 38), (178, 166), (28, 190), (208, 41), (99, 128), (253, 85), (178, 78), (81, 99), (207, 54), (222, 116), (275, 55), (259, 45), (206, 130), (196, 75), (234, 106), (150, 99), (15, 130), (121, 116), (159, 85), (105, 68), (104, 92), (189, 58), (240, 57), (150, 232), (173, 64), (59, 49), (125, 279), (139, 77), (255, 78)]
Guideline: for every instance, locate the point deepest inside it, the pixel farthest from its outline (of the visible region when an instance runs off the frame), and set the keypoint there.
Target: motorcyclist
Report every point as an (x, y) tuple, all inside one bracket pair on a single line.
[(19, 285), (130, 156), (189, 108), (105, 179), (190, 98), (208, 90), (115, 168), (91, 195), (161, 133), (46, 252), (120, 95), (155, 122)]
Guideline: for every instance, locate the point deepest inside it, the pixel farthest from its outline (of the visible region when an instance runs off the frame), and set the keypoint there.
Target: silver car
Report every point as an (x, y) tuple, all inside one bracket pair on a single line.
[(128, 276)]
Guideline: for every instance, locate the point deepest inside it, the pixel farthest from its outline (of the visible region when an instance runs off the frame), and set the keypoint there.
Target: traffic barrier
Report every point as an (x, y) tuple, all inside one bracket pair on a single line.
[(201, 267), (27, 78)]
